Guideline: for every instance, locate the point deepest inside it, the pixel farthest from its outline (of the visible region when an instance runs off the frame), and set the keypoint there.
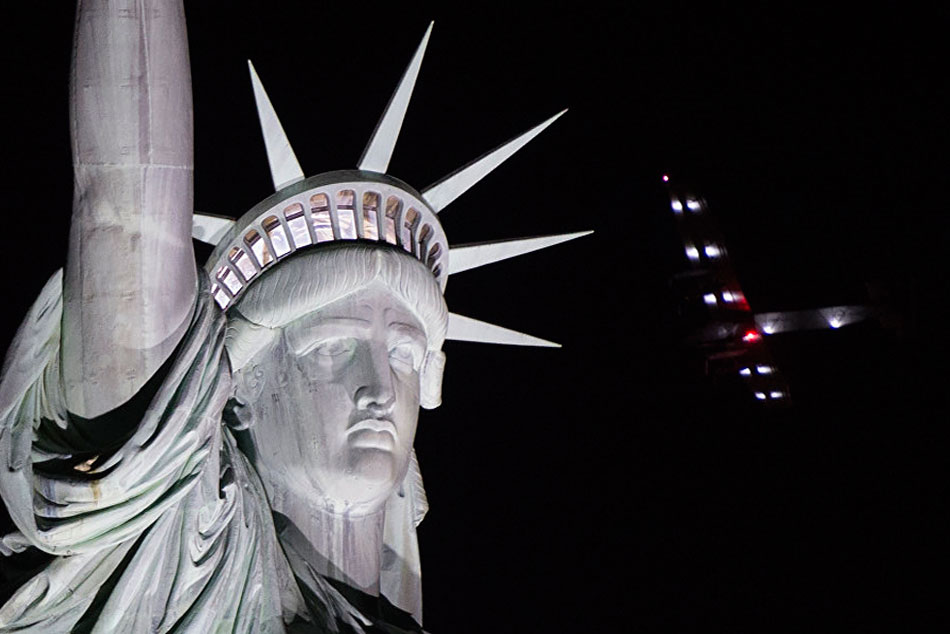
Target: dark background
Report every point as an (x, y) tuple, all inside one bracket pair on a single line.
[(606, 485)]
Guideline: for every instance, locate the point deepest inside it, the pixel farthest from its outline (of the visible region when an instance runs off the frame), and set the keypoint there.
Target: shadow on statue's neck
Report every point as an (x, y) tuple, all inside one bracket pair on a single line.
[(344, 549), (329, 597)]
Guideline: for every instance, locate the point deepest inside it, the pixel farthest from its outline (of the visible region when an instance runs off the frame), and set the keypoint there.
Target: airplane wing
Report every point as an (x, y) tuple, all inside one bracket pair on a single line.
[(715, 314)]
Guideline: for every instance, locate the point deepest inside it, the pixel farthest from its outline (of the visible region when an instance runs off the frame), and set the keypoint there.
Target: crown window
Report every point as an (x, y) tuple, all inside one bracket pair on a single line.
[(278, 238), (227, 277), (345, 213), (393, 207), (434, 254), (424, 234), (297, 223), (409, 230), (261, 253), (320, 212), (220, 296), (243, 263), (370, 214), (346, 198)]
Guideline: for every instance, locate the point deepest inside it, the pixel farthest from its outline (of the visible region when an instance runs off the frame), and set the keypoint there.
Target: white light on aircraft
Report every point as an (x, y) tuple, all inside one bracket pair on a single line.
[(692, 205), (760, 396), (692, 253), (728, 297), (763, 369), (834, 322), (768, 328), (746, 371), (710, 299), (677, 206), (776, 394), (712, 251)]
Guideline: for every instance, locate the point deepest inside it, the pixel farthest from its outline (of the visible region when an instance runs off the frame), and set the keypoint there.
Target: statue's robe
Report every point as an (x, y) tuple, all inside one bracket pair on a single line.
[(156, 519)]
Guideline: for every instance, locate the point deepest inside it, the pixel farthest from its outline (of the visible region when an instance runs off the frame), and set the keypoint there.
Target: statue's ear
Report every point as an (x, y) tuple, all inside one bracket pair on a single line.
[(246, 386), (430, 379)]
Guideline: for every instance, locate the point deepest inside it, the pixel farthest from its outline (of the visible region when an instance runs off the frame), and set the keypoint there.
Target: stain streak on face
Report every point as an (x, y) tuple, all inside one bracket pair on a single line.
[(336, 415)]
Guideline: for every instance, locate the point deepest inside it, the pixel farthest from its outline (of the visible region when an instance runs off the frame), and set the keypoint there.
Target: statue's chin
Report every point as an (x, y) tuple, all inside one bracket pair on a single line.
[(371, 465), (361, 489), (369, 479)]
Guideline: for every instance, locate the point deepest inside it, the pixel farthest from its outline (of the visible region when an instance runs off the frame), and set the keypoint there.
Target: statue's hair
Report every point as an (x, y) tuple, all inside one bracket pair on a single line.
[(312, 279)]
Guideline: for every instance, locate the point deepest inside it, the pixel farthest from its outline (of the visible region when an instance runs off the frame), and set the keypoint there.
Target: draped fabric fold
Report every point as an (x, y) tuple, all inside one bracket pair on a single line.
[(171, 531)]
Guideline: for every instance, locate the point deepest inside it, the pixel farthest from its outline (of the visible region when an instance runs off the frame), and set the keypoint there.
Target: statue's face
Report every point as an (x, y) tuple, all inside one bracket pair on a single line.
[(335, 402)]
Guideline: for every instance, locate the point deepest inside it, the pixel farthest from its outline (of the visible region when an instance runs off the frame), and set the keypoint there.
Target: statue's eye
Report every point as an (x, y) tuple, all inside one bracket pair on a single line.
[(335, 347), (406, 355)]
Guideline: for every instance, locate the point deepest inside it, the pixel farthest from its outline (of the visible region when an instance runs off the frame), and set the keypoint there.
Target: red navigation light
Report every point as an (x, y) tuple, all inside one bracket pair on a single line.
[(666, 178), (751, 336)]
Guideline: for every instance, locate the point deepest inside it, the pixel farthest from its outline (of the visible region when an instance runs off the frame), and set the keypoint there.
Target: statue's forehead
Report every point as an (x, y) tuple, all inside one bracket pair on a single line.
[(373, 305)]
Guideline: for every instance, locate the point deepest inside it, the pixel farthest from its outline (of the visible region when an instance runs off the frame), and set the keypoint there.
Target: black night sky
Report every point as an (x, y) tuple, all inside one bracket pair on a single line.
[(608, 485)]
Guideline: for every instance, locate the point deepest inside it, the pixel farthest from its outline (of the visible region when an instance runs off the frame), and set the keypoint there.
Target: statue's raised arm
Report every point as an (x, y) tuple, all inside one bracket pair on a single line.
[(130, 275)]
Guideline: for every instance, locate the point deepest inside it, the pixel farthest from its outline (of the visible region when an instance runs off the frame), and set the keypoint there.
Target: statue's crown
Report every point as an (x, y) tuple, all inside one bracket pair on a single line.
[(362, 204), (327, 208)]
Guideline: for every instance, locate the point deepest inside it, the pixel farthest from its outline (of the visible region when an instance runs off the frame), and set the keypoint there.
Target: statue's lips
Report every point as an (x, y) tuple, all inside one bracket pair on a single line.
[(373, 433)]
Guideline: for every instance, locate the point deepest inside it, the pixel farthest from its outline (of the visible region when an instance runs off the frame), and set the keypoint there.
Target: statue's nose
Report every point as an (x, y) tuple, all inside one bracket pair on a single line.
[(375, 391)]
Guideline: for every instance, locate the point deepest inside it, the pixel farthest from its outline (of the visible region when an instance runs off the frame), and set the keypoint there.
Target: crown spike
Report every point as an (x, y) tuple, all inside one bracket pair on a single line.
[(465, 257), (209, 228), (284, 167), (379, 150), (443, 192), (463, 328)]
